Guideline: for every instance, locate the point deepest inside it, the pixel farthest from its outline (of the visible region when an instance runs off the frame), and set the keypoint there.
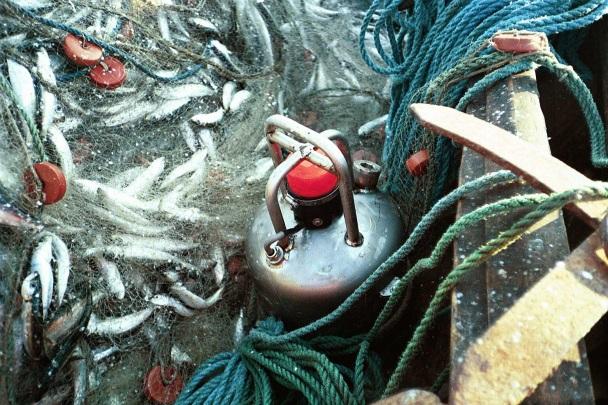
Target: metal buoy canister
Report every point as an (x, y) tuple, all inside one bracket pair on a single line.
[(316, 239)]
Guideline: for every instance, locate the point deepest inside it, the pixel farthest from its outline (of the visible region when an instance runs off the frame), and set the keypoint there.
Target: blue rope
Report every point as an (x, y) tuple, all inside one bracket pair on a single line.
[(435, 37), (68, 77)]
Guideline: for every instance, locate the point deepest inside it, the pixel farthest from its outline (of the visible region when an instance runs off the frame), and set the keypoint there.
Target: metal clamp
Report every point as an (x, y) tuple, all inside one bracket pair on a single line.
[(277, 129)]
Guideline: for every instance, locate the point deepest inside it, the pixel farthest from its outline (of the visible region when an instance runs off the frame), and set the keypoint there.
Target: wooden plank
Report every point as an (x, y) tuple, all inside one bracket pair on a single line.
[(513, 105), (603, 51), (469, 300)]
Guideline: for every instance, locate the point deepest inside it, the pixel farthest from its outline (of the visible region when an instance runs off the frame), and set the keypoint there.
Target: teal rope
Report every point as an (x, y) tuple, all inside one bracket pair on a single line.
[(544, 205), (246, 373), (435, 37), (441, 379)]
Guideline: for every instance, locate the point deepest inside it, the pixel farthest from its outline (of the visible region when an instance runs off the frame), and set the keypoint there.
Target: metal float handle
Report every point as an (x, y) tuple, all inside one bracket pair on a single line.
[(277, 129)]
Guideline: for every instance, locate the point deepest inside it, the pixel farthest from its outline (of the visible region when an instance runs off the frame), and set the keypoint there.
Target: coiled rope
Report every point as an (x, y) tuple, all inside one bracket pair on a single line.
[(445, 46)]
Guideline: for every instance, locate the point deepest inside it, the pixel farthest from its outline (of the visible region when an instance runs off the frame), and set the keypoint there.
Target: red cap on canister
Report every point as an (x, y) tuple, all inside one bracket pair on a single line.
[(309, 181)]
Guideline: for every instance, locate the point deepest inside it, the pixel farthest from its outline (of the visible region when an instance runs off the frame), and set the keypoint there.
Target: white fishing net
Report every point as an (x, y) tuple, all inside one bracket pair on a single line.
[(162, 177)]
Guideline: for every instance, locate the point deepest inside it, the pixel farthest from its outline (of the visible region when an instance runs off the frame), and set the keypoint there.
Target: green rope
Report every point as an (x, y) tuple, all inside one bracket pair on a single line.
[(441, 379), (544, 206)]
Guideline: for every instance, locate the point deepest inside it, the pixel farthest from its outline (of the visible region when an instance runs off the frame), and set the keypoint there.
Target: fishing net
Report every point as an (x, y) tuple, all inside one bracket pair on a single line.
[(163, 175), (444, 53)]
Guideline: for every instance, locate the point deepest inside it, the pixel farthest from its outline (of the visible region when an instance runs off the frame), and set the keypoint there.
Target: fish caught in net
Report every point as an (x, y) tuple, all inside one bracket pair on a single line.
[(132, 157)]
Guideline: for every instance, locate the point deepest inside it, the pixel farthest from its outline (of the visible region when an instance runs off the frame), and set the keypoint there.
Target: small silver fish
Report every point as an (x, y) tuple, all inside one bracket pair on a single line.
[(196, 160), (205, 25), (142, 183), (192, 300), (91, 187), (111, 275), (159, 243), (62, 152), (137, 253), (191, 90), (163, 25), (124, 178), (179, 357), (48, 101), (261, 168), (127, 226), (371, 126), (12, 40), (103, 353), (28, 290), (206, 137), (120, 210), (219, 270), (239, 328), (252, 27), (322, 13), (191, 214), (177, 21), (118, 326), (96, 27), (112, 21), (239, 98), (261, 145), (228, 92), (83, 13), (127, 104), (41, 265), (166, 301), (136, 112), (23, 85), (167, 108), (209, 118), (62, 260), (188, 135)]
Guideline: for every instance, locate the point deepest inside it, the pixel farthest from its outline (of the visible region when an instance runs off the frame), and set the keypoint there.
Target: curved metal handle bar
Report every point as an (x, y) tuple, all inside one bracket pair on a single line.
[(340, 140), (272, 192), (338, 164)]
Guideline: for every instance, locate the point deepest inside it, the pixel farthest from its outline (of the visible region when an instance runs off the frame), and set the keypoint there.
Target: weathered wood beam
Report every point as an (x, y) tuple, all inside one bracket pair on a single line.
[(493, 288)]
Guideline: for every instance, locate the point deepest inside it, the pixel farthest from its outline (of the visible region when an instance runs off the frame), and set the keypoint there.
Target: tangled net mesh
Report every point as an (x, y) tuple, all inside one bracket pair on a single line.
[(162, 197)]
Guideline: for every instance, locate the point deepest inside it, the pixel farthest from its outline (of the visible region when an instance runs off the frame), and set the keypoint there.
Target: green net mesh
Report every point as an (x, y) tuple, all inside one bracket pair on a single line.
[(163, 177)]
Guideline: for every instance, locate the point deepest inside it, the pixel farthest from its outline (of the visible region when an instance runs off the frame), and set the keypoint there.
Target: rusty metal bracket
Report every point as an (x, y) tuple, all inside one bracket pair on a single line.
[(541, 170)]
